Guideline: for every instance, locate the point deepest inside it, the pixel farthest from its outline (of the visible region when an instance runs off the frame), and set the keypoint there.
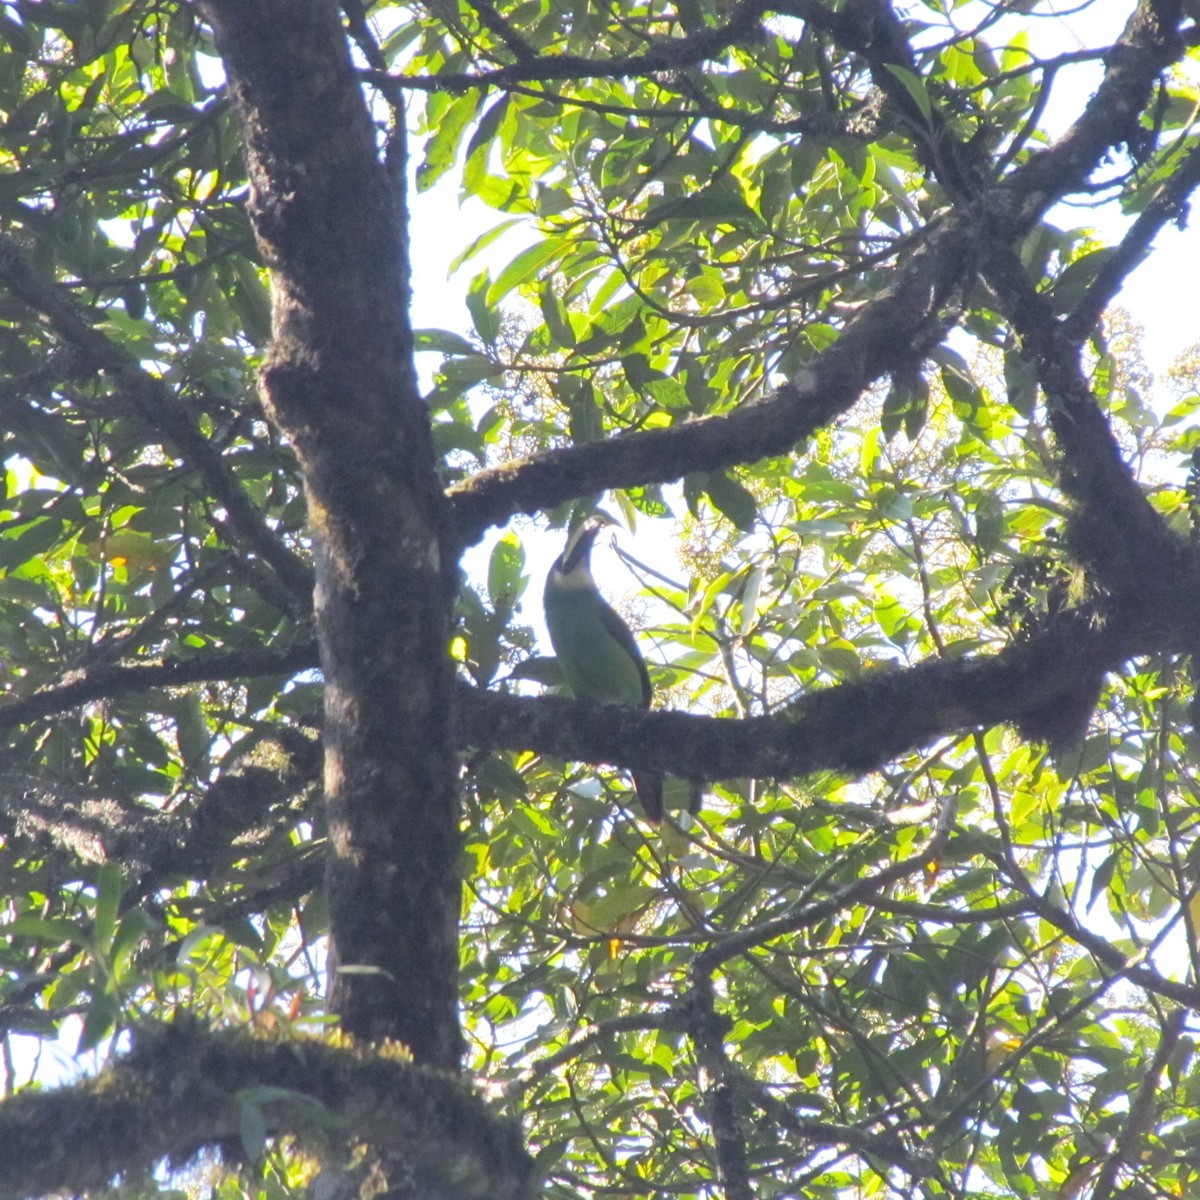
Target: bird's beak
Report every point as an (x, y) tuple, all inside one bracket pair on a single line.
[(579, 544)]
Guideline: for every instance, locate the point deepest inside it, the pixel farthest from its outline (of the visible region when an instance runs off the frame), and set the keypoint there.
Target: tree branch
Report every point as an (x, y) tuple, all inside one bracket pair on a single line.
[(810, 912), (891, 333), (339, 382), (1111, 958), (151, 397), (854, 727), (181, 1089), (1130, 1145), (729, 1124), (104, 680), (666, 55), (1168, 204), (1149, 43), (1115, 531)]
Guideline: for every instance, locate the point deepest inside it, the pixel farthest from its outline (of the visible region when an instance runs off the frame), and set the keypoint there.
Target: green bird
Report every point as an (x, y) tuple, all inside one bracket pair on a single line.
[(596, 650)]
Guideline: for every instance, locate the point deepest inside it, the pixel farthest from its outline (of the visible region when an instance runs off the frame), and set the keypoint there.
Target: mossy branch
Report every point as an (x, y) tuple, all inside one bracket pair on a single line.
[(183, 1088)]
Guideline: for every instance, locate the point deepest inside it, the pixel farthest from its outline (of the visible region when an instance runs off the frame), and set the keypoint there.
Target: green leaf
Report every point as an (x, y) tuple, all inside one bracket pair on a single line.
[(30, 542), (252, 1129), (732, 499), (893, 617), (915, 86), (906, 407), (523, 268), (109, 888), (586, 423), (481, 243), (720, 205), (451, 117), (47, 929), (1073, 282), (98, 1021), (496, 777), (557, 319), (484, 315), (506, 582), (1020, 379), (506, 193), (963, 390), (750, 594), (443, 341), (989, 522), (670, 393), (489, 123)]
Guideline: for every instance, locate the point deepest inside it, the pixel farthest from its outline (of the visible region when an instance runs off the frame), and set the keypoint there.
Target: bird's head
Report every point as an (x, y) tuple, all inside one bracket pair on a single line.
[(573, 564)]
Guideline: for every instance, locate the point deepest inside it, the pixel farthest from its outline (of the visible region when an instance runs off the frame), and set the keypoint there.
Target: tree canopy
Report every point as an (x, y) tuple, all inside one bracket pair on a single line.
[(297, 834)]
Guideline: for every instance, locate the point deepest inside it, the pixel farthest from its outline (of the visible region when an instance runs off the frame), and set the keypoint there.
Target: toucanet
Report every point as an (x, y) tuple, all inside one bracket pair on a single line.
[(596, 650)]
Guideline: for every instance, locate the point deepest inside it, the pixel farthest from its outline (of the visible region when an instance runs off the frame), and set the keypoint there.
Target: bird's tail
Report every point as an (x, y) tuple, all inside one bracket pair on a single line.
[(649, 788)]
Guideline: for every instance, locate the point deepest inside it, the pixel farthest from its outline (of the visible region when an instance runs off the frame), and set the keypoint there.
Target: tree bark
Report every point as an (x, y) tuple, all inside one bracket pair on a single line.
[(339, 382)]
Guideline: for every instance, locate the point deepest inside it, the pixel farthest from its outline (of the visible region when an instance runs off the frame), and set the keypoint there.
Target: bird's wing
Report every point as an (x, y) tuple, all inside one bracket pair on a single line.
[(624, 635)]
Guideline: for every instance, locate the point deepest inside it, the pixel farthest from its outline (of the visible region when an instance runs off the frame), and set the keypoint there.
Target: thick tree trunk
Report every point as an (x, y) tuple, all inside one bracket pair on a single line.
[(339, 382)]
